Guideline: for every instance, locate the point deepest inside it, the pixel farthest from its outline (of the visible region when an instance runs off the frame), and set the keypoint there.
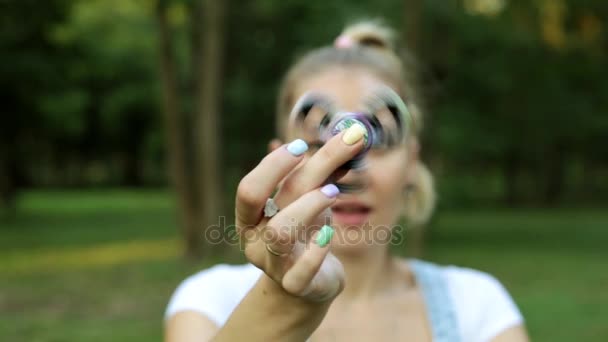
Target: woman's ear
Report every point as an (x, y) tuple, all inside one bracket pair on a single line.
[(413, 154), (274, 144)]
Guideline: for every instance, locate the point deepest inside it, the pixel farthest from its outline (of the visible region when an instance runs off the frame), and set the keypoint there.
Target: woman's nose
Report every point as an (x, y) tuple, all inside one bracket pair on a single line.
[(351, 181)]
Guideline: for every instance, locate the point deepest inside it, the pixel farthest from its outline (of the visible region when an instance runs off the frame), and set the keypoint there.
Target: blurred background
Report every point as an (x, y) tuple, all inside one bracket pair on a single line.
[(127, 124)]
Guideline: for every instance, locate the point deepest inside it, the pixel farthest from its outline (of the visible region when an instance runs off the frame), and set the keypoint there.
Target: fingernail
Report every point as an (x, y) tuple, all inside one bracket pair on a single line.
[(297, 147), (325, 235), (330, 190), (353, 134)]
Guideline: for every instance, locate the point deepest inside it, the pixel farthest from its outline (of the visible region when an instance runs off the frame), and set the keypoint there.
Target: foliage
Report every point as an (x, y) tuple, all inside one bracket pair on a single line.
[(514, 98)]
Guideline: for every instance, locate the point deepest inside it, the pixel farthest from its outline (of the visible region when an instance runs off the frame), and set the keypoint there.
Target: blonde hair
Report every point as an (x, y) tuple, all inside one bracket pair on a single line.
[(373, 49)]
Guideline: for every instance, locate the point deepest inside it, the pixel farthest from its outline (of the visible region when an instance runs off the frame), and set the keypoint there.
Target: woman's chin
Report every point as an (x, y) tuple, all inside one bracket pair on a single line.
[(359, 233)]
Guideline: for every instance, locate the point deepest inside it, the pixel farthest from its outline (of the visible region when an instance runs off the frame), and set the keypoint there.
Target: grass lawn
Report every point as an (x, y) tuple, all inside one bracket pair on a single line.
[(101, 265)]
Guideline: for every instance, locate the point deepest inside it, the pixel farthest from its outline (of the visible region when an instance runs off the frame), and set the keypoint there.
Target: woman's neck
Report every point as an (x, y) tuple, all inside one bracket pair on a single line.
[(369, 274)]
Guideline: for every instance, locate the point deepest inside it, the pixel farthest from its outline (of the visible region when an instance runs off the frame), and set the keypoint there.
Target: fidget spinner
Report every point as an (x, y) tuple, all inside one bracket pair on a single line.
[(334, 120)]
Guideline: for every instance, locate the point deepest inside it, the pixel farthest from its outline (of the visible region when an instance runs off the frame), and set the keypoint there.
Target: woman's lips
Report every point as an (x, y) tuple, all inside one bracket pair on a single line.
[(350, 213)]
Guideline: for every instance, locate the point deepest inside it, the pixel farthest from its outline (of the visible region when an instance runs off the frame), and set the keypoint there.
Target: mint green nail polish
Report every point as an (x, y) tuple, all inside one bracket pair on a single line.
[(325, 235)]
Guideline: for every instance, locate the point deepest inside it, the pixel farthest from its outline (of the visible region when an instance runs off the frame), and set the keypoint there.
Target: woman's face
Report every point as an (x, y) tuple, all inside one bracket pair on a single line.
[(365, 218)]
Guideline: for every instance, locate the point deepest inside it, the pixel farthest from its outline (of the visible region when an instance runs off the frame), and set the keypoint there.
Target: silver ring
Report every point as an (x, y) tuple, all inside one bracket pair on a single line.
[(271, 208)]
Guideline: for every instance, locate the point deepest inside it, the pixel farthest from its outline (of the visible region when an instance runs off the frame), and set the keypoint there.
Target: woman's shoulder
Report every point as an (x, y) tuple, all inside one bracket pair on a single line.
[(470, 279), (214, 291), (483, 306), (462, 279)]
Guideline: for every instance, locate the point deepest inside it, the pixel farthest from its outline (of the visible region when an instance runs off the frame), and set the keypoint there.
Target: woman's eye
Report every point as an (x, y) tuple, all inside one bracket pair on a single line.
[(381, 142), (378, 143)]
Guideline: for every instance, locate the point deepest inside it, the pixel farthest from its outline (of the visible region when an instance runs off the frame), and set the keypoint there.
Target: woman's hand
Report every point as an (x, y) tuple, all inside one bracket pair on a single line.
[(290, 247)]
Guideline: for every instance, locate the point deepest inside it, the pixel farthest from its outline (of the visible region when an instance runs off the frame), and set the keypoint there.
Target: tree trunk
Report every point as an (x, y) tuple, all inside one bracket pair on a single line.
[(209, 107), (132, 161), (176, 149), (412, 14), (12, 168), (9, 188), (555, 170), (511, 169)]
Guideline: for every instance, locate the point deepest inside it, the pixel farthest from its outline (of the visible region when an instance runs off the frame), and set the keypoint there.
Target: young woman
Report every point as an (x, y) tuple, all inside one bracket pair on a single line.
[(352, 289)]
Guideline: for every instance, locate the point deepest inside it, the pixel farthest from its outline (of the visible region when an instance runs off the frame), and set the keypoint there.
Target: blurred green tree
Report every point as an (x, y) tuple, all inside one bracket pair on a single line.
[(193, 136), (514, 93), (30, 68)]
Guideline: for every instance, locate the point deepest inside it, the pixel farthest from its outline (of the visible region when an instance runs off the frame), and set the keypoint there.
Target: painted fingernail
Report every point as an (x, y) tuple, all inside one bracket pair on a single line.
[(297, 147), (325, 235), (330, 190), (353, 134)]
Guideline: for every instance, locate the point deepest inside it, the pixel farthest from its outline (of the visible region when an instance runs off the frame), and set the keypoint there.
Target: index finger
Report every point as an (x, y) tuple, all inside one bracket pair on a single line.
[(257, 186), (337, 151)]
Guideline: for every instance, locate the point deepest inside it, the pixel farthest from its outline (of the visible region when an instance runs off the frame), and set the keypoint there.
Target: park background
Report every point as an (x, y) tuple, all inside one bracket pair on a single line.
[(126, 125)]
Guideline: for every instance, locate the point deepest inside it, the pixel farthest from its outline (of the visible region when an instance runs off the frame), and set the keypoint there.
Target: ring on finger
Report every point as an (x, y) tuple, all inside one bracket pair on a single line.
[(271, 208), (275, 253)]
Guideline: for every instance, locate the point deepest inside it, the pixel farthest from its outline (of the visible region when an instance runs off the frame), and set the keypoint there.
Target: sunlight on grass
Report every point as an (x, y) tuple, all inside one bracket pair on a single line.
[(58, 260)]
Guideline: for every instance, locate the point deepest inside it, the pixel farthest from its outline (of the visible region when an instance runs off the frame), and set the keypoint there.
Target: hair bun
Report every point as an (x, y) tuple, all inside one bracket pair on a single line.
[(370, 34)]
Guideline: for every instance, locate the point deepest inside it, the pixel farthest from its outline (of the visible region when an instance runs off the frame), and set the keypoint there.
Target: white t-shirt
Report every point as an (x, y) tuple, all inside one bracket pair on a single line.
[(483, 307)]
